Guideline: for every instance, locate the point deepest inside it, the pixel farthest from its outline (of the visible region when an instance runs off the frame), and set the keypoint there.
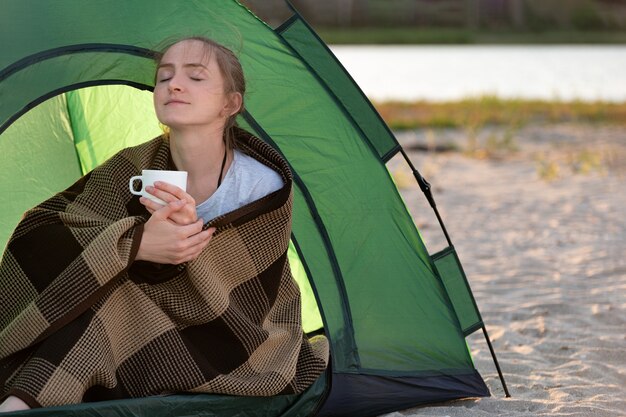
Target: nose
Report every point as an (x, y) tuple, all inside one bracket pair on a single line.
[(174, 84)]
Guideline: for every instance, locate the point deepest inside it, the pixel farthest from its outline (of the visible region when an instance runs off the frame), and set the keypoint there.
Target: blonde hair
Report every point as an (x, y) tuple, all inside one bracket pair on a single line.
[(232, 72)]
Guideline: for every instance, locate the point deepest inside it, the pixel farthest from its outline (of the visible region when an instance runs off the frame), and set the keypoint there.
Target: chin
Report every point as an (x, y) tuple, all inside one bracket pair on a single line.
[(172, 121)]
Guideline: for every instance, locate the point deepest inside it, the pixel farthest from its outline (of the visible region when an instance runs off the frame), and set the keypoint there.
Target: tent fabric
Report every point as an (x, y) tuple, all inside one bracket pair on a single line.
[(368, 395), (196, 405), (344, 90), (451, 272), (74, 88)]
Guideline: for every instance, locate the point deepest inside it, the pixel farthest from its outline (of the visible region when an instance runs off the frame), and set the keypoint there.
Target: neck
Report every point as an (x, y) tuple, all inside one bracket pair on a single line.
[(201, 154)]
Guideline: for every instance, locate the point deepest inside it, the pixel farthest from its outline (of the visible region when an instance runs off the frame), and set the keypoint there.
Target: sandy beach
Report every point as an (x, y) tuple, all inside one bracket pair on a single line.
[(539, 222)]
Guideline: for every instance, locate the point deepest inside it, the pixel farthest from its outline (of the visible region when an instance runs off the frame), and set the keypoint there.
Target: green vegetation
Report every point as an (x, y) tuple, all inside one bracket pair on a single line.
[(547, 169), (555, 165), (474, 117), (407, 35), (496, 145), (474, 113)]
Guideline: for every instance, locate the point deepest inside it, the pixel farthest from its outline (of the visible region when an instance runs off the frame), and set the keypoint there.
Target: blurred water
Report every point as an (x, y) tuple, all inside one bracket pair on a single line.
[(451, 72)]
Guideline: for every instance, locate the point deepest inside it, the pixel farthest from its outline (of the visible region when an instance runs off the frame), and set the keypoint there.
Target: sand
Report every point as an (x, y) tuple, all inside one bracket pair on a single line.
[(539, 222)]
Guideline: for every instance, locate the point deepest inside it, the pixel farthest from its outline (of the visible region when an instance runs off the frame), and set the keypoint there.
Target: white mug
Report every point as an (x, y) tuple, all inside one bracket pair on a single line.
[(150, 176)]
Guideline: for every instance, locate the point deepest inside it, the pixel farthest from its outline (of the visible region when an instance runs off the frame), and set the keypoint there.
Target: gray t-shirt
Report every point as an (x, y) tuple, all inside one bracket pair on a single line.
[(247, 180)]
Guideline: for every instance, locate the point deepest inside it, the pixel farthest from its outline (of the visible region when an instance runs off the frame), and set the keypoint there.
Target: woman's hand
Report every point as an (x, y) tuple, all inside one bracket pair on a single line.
[(171, 193), (167, 242)]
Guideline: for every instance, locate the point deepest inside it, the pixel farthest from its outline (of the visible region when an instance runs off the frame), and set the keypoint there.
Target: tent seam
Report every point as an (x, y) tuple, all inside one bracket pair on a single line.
[(72, 49), (71, 121), (66, 88)]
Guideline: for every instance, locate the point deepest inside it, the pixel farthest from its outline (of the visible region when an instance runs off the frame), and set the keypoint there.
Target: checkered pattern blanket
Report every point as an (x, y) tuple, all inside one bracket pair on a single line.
[(81, 321)]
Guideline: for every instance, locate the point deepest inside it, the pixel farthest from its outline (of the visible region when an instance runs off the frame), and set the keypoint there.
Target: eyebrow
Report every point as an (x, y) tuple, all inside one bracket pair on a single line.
[(189, 65)]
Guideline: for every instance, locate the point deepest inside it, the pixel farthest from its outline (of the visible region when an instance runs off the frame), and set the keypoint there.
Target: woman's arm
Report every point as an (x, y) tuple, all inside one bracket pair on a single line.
[(167, 242)]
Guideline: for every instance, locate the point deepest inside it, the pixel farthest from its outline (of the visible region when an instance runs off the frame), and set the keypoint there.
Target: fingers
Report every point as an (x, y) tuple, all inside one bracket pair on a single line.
[(150, 205), (201, 239), (170, 188), (165, 241), (165, 211), (168, 192), (165, 196), (171, 193), (193, 246)]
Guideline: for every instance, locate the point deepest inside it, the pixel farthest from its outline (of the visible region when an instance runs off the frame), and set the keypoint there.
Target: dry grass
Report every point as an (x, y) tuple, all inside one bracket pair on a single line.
[(474, 113), (497, 129)]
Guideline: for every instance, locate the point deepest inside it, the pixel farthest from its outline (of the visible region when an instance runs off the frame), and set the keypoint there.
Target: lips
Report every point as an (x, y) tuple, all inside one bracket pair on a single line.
[(175, 102)]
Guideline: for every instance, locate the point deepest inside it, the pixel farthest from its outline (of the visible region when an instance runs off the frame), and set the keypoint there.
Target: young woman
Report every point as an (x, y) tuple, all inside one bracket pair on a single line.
[(130, 298), (198, 93)]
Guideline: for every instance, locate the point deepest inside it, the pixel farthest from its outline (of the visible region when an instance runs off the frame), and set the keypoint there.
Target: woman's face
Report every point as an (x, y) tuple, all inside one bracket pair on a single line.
[(189, 90)]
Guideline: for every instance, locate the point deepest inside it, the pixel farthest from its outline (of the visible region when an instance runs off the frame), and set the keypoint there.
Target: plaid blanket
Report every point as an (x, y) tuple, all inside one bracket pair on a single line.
[(80, 320)]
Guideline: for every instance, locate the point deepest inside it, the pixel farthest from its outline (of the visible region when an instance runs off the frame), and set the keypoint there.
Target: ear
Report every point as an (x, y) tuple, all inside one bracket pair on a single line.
[(233, 105)]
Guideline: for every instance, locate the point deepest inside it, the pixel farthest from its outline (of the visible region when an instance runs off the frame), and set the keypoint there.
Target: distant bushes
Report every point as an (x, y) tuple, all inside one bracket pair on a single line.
[(586, 17)]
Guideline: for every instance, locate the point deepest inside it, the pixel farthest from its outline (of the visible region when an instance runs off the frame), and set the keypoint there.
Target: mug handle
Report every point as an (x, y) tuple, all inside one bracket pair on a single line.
[(130, 185)]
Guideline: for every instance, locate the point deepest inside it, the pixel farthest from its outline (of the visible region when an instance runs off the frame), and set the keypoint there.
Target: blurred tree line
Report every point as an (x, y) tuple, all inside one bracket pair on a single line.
[(515, 15)]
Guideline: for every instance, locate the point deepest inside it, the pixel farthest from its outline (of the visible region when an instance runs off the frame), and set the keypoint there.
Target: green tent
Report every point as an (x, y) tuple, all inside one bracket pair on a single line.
[(75, 81)]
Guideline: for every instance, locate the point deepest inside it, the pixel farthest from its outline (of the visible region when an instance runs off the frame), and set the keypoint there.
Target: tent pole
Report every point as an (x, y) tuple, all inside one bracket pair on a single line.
[(426, 189), (495, 361)]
